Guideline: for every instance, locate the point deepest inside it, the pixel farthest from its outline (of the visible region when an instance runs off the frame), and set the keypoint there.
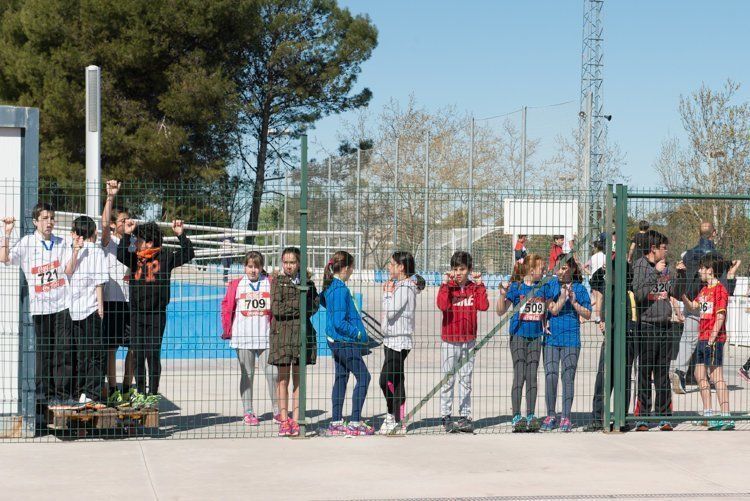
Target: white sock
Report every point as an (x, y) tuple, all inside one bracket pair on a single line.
[(353, 423)]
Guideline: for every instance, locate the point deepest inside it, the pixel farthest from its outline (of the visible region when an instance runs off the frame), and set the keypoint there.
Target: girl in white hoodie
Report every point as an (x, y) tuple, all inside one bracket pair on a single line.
[(399, 307)]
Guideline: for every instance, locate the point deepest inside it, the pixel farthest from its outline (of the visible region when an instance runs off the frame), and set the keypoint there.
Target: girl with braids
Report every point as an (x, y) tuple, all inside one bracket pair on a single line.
[(346, 337)]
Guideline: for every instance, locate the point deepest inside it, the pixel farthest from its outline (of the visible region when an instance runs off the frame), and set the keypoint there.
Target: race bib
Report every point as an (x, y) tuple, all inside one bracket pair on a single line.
[(534, 310), (706, 308), (255, 304), (47, 277), (660, 290)]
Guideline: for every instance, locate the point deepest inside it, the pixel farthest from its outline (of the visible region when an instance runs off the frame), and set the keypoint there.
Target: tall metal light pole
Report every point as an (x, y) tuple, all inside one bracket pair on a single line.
[(425, 236), (470, 222), (395, 196), (523, 149), (93, 139)]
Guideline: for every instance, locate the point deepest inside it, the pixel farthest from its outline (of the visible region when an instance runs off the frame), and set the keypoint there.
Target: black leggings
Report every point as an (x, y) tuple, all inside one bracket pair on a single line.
[(146, 332), (392, 381)]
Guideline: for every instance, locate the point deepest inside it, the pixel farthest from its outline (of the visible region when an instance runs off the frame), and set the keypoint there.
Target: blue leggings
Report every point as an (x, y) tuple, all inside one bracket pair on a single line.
[(348, 360)]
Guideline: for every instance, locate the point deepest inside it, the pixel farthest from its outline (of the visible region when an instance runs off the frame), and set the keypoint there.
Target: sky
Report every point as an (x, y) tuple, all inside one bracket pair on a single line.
[(490, 57)]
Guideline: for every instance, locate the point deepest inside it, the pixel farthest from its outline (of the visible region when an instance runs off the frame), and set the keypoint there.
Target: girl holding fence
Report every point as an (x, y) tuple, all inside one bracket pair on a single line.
[(246, 322), (347, 339), (398, 325), (567, 301), (526, 329)]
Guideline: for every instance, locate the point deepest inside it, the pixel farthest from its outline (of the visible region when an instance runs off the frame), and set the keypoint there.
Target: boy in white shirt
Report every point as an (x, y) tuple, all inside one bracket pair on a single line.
[(87, 272), (42, 256)]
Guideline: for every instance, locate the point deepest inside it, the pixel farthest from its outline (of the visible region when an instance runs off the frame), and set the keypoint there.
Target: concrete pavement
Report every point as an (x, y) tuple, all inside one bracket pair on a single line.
[(630, 466)]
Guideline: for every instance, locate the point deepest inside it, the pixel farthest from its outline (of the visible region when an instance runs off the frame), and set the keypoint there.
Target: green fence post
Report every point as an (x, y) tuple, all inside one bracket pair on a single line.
[(608, 313), (620, 319), (303, 288)]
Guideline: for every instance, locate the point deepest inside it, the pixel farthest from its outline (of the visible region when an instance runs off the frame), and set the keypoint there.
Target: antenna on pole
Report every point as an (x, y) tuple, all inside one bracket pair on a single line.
[(93, 139)]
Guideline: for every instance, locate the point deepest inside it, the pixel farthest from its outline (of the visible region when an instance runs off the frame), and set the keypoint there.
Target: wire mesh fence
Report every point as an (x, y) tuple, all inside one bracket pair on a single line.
[(431, 310)]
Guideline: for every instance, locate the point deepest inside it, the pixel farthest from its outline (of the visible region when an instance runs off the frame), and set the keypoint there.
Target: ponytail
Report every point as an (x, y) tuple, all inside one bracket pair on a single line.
[(339, 261)]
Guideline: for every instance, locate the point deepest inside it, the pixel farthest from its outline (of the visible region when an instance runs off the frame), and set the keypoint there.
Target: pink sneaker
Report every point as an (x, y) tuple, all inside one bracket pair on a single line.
[(251, 420), (565, 425), (336, 430), (361, 429), (293, 428), (285, 428)]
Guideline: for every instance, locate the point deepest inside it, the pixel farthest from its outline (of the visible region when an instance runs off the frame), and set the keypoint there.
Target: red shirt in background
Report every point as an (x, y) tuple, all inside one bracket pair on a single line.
[(460, 306), (554, 251), (712, 300)]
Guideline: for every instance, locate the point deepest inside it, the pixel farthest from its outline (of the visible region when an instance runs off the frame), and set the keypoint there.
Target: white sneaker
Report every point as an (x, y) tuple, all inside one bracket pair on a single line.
[(84, 399), (388, 425)]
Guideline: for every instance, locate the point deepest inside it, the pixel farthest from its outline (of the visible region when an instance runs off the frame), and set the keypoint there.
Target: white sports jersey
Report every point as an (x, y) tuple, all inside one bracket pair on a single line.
[(90, 272), (116, 289), (252, 317), (43, 263)]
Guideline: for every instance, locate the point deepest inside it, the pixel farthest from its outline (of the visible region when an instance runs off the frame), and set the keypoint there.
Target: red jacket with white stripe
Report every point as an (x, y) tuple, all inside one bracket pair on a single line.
[(460, 306)]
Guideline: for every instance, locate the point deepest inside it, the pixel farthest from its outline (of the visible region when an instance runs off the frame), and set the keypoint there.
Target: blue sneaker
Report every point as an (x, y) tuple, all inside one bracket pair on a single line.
[(641, 426), (715, 425), (666, 426), (549, 423), (728, 425), (519, 424)]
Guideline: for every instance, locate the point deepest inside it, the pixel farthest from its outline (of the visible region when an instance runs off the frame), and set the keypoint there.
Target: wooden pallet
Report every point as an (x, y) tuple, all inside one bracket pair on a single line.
[(64, 418)]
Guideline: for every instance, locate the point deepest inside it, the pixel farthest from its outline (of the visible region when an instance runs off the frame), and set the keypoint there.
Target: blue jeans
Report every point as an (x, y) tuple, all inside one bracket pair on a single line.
[(348, 360)]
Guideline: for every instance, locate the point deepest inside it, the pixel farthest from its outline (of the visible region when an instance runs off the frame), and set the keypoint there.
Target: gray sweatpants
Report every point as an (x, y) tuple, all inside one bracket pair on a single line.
[(248, 360), (553, 356), (688, 341), (450, 354)]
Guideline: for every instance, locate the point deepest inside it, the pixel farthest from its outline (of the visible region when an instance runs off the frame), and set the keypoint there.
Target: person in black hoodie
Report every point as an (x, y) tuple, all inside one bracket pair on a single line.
[(151, 268)]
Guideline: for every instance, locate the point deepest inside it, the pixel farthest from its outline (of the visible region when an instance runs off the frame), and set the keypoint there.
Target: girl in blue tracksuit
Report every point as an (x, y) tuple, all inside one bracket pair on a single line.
[(567, 301), (347, 339)]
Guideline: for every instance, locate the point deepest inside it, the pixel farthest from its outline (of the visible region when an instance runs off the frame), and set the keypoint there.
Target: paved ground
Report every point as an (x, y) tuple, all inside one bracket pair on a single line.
[(632, 466)]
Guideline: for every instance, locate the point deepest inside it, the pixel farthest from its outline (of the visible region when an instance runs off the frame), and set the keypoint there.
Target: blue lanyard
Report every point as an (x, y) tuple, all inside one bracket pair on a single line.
[(51, 244), (257, 287)]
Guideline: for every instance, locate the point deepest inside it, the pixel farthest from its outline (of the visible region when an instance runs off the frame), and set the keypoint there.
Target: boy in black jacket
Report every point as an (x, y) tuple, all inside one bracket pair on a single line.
[(151, 269)]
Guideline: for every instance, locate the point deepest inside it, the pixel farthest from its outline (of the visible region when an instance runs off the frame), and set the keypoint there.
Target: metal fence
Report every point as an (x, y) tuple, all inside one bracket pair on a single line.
[(209, 389)]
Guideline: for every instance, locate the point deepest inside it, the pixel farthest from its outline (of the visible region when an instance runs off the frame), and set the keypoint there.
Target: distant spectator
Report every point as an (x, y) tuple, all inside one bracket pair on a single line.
[(555, 250), (520, 249), (639, 245)]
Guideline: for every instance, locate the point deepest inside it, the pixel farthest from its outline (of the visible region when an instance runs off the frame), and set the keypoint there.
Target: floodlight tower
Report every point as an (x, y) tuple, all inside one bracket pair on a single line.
[(593, 122)]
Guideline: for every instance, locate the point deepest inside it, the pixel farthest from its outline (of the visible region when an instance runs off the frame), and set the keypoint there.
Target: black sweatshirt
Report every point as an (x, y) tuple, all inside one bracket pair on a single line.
[(150, 278)]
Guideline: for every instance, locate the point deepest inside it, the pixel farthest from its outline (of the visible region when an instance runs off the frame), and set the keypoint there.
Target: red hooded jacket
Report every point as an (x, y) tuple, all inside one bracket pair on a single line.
[(460, 306)]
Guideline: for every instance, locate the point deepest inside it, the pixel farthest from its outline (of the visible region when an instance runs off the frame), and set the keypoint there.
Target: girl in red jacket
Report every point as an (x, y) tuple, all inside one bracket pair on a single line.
[(459, 299)]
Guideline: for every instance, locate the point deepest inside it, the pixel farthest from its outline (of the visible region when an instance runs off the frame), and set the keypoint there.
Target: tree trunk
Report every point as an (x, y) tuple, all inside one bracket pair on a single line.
[(260, 176)]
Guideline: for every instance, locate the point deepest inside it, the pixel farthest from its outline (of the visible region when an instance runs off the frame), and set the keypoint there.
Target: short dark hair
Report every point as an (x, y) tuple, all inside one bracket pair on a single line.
[(575, 268), (656, 239), (461, 258), (405, 259), (715, 262), (41, 207), (643, 225), (116, 212), (149, 232), (557, 237), (291, 250), (84, 226)]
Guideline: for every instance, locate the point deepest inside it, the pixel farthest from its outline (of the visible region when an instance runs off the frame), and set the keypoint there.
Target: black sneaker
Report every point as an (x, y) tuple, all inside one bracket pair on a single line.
[(449, 425), (465, 425), (594, 426), (678, 382)]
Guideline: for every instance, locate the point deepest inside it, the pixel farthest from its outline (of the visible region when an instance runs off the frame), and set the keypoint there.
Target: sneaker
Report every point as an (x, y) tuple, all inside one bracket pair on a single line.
[(678, 382), (251, 419), (465, 425), (565, 425), (519, 424), (285, 428), (532, 423), (715, 425), (336, 429), (744, 374), (728, 425), (360, 428), (549, 423), (293, 428), (83, 400), (626, 428), (449, 425), (666, 426), (389, 424), (594, 426), (706, 415), (641, 426)]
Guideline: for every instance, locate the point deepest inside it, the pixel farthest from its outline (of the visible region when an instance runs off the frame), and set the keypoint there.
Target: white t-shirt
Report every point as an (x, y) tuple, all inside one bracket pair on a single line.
[(597, 261), (252, 318), (90, 272), (43, 264), (117, 288)]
